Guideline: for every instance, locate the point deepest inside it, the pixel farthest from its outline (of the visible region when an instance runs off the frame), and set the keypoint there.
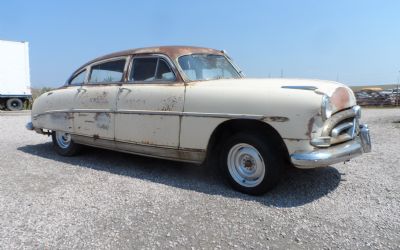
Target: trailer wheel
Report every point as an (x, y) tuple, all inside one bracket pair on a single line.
[(14, 104)]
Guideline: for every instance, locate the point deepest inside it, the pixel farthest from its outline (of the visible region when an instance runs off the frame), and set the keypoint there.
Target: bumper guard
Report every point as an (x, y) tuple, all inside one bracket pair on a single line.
[(335, 154)]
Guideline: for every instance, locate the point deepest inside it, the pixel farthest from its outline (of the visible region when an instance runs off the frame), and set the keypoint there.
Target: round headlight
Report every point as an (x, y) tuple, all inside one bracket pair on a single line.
[(326, 108)]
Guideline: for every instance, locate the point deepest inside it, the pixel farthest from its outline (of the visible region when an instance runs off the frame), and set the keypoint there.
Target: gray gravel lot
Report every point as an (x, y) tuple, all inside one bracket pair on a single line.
[(104, 199)]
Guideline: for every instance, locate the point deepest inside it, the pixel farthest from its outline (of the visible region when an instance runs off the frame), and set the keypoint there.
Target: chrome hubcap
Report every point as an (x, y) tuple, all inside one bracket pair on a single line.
[(246, 165), (63, 139)]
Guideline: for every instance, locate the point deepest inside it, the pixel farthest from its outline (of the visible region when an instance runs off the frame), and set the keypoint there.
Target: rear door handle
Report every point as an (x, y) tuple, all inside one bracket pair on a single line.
[(81, 89)]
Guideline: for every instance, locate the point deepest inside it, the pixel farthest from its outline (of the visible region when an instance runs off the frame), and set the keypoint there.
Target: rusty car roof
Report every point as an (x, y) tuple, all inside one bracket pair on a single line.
[(172, 52)]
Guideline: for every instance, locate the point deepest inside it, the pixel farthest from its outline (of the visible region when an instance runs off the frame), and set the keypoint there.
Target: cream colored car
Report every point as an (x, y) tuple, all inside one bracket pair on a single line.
[(191, 104)]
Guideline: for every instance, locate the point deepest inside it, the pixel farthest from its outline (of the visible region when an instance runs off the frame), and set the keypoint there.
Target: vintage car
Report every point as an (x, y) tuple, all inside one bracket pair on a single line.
[(193, 104)]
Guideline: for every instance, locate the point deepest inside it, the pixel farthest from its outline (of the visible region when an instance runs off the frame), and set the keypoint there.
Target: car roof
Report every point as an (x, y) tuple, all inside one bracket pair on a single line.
[(172, 52)]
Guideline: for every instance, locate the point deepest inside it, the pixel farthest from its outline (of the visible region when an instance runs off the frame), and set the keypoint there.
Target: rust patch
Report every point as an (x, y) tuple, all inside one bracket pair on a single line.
[(135, 101), (310, 127), (276, 119), (169, 104), (340, 99), (100, 99), (103, 120), (173, 52), (61, 119), (59, 116)]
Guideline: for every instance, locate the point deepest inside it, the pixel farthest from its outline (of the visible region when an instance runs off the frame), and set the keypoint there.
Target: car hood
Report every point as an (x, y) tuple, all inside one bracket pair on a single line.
[(340, 95)]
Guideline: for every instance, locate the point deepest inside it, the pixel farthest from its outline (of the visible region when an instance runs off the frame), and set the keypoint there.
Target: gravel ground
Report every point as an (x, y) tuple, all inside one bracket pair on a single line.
[(104, 199)]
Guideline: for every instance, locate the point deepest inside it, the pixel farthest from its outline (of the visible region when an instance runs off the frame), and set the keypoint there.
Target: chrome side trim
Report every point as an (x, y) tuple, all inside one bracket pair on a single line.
[(173, 113), (300, 87), (192, 114)]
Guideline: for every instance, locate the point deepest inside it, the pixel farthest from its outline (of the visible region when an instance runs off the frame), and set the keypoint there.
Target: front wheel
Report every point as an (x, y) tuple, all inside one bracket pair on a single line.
[(250, 164), (63, 143)]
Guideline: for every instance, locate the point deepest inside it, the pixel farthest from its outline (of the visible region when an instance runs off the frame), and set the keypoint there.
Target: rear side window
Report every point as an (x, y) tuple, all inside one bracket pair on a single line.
[(151, 69), (107, 72), (78, 79)]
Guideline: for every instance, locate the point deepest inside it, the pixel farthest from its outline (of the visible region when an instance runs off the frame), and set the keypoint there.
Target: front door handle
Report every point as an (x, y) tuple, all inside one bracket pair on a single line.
[(121, 89)]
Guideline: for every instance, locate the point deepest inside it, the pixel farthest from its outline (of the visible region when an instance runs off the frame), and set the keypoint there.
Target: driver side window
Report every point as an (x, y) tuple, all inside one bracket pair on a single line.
[(151, 69)]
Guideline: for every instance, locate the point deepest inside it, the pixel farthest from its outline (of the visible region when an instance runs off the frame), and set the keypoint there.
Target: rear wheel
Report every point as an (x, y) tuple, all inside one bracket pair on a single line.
[(14, 104), (63, 143), (250, 164)]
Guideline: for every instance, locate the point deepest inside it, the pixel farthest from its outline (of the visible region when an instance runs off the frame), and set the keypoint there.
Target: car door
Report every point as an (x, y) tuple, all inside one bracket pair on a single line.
[(95, 102), (150, 103)]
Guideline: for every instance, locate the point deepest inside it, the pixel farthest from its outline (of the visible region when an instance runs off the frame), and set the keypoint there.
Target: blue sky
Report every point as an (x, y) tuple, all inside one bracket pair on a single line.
[(355, 42)]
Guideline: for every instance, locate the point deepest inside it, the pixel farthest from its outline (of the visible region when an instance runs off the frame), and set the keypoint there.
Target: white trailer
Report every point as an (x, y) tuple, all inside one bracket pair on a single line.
[(15, 85)]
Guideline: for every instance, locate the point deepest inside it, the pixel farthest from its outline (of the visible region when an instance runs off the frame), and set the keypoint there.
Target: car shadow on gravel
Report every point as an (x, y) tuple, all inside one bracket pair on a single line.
[(298, 187)]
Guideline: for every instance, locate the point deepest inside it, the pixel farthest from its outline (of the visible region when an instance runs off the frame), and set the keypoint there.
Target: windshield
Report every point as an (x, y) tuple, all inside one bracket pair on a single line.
[(199, 67)]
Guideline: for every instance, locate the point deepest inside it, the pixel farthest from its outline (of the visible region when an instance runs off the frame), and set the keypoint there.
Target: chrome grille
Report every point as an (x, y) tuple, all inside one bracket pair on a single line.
[(341, 127), (344, 131)]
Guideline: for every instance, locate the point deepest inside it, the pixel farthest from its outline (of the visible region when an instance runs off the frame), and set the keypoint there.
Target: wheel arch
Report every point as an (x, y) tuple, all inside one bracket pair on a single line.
[(233, 126)]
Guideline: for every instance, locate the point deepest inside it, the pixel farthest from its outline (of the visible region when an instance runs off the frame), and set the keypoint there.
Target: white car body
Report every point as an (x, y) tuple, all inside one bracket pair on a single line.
[(178, 120)]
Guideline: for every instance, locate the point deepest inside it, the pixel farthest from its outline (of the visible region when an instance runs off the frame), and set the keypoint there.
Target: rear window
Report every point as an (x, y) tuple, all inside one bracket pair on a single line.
[(112, 71)]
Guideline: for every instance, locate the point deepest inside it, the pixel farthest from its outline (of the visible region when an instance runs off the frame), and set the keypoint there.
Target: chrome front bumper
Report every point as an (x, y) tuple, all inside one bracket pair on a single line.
[(335, 154)]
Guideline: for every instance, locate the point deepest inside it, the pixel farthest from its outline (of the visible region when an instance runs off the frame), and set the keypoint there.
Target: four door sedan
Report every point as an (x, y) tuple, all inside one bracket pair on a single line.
[(191, 104)]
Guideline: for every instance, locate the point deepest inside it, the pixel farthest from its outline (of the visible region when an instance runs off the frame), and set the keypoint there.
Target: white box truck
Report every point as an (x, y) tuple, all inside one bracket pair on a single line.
[(15, 85)]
